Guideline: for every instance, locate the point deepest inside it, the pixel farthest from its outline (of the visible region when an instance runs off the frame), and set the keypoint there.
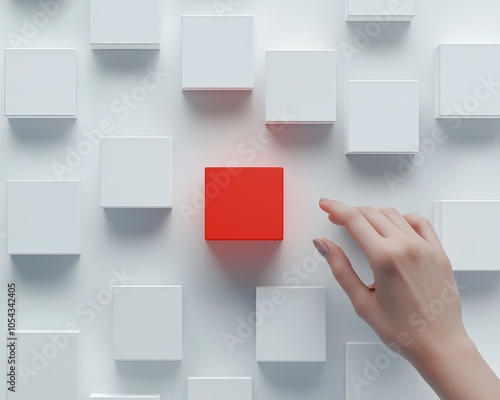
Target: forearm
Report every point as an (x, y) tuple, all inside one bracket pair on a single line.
[(457, 371)]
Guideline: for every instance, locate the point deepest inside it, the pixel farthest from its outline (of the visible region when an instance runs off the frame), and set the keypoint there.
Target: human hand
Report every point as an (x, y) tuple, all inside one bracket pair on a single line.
[(414, 304)]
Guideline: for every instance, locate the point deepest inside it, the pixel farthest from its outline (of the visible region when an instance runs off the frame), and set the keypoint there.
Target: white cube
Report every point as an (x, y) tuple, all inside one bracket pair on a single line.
[(40, 83), (219, 389), (382, 117), (147, 323), (217, 53), (379, 10), (125, 24), (43, 217), (97, 396), (47, 365), (467, 77), (469, 232), (375, 372), (136, 172), (293, 327), (301, 87)]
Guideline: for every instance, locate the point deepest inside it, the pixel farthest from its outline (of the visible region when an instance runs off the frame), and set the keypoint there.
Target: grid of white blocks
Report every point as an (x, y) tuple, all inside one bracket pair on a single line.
[(379, 10), (219, 389), (466, 76), (147, 323), (375, 372), (40, 83), (47, 365), (217, 53), (125, 24), (43, 218), (301, 87), (136, 172), (382, 117), (469, 232), (293, 324)]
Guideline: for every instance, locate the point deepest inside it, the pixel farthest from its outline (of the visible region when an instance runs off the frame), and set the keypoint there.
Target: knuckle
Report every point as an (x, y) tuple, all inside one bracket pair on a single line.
[(365, 208), (414, 218), (407, 250), (397, 253), (389, 211), (426, 222), (352, 215)]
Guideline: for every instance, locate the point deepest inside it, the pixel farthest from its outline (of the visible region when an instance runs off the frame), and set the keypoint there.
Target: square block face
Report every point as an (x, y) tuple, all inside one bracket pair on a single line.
[(40, 83), (147, 323), (469, 232), (124, 397), (125, 24), (380, 10), (219, 388), (43, 217), (58, 352), (375, 372), (308, 100), (244, 203), (136, 172), (294, 324), (466, 81), (217, 53), (382, 117)]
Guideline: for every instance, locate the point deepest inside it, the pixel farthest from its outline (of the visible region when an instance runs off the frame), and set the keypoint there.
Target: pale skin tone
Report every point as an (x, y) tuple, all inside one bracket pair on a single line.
[(414, 301)]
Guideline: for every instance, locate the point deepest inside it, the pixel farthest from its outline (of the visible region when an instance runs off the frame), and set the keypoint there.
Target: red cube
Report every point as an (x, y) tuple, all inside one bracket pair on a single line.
[(244, 203)]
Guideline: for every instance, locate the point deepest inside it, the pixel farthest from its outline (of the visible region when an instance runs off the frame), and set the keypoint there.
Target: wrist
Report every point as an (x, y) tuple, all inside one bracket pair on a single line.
[(439, 356)]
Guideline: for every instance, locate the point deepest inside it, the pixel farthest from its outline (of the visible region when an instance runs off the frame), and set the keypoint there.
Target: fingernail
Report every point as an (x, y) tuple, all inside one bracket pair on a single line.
[(322, 249), (323, 199)]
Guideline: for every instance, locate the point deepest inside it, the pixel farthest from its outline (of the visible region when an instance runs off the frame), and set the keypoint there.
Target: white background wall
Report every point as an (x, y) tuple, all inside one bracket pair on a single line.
[(161, 248)]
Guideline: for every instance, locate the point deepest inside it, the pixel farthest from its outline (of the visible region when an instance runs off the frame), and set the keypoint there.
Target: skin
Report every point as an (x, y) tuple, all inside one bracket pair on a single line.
[(414, 301)]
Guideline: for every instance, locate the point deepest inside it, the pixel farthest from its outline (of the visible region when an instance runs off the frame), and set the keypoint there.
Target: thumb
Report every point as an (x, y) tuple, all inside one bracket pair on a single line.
[(343, 272)]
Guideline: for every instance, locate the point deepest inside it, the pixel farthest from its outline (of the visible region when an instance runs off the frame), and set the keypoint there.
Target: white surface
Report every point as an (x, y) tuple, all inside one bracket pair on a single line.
[(375, 372), (303, 83), (469, 232), (136, 172), (207, 128), (43, 217), (467, 79), (147, 323), (380, 10), (219, 389), (217, 53), (382, 117), (123, 397), (425, 392), (293, 324), (128, 24), (48, 365), (40, 83)]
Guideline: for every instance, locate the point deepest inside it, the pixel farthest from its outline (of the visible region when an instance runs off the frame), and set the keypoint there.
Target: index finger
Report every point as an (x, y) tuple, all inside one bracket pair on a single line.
[(357, 225)]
